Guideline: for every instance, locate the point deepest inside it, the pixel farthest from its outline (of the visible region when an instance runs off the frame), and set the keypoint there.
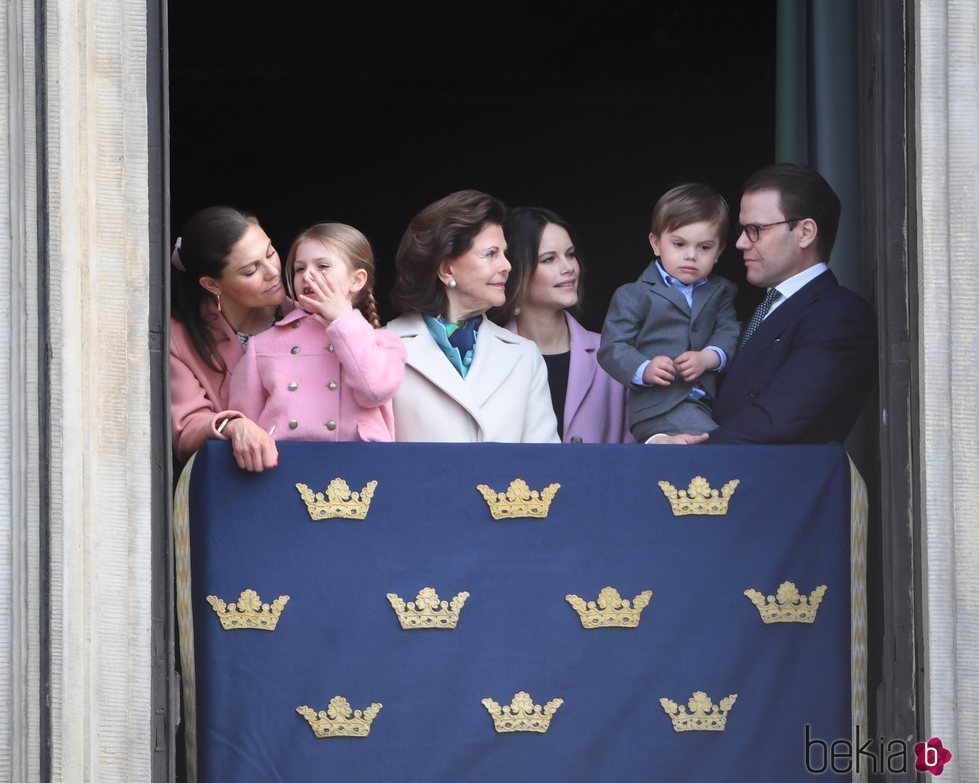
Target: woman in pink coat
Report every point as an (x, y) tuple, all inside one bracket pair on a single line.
[(226, 286), (544, 285), (326, 371)]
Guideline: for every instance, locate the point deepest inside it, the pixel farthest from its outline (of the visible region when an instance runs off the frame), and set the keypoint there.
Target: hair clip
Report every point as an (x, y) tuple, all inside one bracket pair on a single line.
[(175, 256)]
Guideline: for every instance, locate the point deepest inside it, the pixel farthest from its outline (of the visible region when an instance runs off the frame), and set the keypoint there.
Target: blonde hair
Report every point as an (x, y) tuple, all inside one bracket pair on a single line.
[(355, 249)]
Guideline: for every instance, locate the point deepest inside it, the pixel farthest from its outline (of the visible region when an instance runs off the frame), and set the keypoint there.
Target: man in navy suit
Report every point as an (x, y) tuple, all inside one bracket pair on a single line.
[(808, 358)]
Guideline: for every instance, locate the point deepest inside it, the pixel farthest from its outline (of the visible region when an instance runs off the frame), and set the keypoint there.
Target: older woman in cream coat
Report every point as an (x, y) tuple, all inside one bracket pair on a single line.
[(466, 379)]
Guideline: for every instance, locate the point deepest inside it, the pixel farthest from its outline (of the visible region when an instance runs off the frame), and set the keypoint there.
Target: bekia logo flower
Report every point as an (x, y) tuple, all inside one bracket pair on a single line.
[(931, 756)]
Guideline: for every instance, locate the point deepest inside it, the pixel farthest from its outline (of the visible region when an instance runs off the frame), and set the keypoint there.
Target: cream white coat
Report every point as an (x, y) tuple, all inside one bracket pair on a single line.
[(504, 397)]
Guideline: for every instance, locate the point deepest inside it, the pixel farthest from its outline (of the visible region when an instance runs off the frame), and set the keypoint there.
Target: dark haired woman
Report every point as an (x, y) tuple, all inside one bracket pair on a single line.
[(226, 286), (543, 290), (466, 379)]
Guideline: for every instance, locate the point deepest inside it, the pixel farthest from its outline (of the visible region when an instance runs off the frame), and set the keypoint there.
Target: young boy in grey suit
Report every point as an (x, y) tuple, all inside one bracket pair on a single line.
[(669, 334)]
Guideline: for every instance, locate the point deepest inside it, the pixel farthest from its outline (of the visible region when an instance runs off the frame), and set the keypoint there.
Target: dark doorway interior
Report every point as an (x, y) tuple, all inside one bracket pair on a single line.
[(365, 113)]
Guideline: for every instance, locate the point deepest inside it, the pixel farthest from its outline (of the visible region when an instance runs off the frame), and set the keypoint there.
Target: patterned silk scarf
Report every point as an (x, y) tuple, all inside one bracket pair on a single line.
[(458, 343), (464, 337)]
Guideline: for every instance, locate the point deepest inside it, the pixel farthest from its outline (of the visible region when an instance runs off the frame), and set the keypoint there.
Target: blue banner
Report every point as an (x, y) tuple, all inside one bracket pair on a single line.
[(608, 525)]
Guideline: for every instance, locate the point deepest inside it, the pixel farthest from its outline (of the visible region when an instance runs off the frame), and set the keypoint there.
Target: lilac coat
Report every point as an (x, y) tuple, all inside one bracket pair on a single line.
[(317, 381), (595, 410)]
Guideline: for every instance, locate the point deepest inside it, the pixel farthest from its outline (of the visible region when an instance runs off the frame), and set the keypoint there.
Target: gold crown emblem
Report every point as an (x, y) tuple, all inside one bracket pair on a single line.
[(519, 500), (249, 612), (611, 610), (339, 720), (340, 502), (522, 714), (427, 611), (699, 498), (703, 715), (787, 605)]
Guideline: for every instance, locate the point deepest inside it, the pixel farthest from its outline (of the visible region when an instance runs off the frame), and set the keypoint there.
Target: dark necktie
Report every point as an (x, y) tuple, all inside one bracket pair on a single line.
[(759, 315)]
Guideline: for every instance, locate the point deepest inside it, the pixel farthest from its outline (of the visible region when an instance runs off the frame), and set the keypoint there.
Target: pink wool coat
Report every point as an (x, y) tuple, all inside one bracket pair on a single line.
[(317, 381), (595, 410), (198, 393)]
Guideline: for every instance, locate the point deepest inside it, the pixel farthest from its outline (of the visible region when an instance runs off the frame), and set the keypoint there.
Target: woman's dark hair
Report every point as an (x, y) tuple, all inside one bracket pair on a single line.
[(441, 231), (523, 228), (205, 244)]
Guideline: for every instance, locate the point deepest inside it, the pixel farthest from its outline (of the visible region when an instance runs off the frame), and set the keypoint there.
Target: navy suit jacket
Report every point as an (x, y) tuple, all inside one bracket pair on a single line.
[(805, 374)]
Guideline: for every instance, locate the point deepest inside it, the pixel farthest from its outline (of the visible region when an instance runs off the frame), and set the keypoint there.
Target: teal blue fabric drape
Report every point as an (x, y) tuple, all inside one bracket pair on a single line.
[(817, 112)]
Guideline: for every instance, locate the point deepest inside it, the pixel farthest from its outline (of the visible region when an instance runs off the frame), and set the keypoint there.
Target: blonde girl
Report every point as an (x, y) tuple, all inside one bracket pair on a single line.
[(327, 371)]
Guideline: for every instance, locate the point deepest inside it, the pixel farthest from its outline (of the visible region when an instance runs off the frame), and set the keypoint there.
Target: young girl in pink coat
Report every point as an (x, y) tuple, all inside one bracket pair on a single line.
[(326, 371)]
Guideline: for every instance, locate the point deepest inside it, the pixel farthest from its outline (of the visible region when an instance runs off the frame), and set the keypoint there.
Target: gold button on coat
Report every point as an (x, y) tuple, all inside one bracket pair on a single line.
[(293, 424), (332, 386), (293, 385), (295, 324), (330, 348), (295, 349), (331, 425)]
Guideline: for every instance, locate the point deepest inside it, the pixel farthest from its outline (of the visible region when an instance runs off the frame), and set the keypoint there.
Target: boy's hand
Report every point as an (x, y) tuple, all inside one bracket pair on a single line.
[(692, 364), (660, 371)]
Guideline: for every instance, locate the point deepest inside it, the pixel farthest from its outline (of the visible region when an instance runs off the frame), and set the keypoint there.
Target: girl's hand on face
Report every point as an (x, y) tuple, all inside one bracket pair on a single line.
[(325, 297)]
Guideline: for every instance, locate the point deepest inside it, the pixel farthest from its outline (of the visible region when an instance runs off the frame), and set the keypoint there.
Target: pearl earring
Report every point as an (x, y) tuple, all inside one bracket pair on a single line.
[(219, 301), (516, 311), (452, 284)]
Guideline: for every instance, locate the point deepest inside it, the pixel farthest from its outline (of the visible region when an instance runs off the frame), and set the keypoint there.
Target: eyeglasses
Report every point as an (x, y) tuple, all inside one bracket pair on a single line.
[(753, 230)]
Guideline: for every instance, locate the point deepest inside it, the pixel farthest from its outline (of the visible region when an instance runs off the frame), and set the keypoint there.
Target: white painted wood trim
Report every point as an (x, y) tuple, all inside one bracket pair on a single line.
[(19, 540), (98, 308)]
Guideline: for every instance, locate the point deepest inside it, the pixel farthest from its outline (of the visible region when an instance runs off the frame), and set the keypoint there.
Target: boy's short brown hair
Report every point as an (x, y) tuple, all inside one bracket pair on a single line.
[(691, 203)]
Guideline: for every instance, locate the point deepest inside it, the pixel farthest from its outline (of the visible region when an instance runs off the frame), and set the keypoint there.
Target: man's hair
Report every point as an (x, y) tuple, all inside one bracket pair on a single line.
[(690, 203), (802, 193)]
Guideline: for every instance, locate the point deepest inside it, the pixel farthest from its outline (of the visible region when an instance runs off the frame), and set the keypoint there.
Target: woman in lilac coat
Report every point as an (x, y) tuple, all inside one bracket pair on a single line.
[(543, 288)]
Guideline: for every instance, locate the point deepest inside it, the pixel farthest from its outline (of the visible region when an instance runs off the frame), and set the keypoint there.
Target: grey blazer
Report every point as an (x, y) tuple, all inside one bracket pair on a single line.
[(649, 318)]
